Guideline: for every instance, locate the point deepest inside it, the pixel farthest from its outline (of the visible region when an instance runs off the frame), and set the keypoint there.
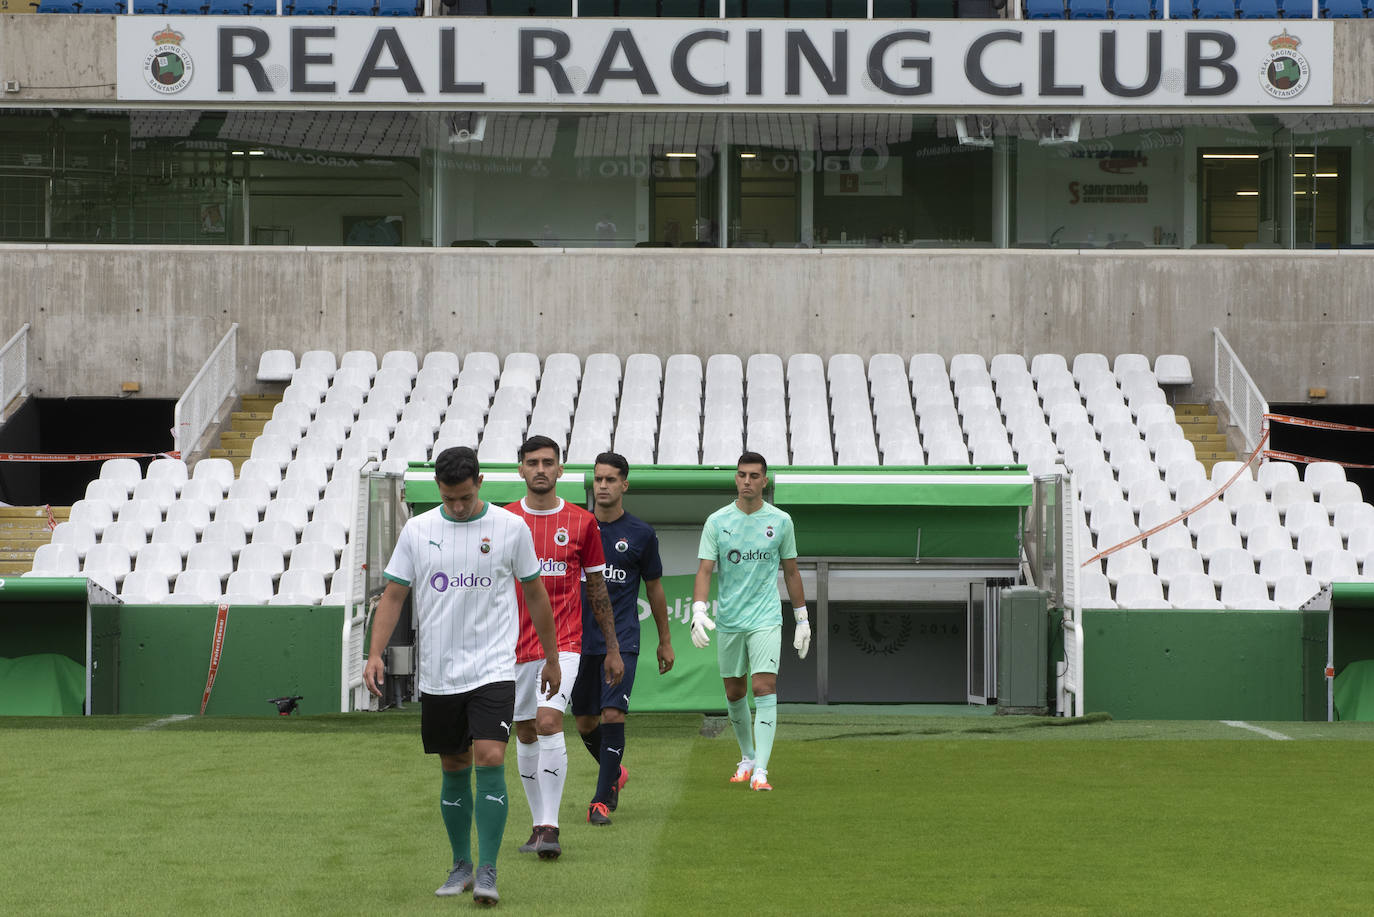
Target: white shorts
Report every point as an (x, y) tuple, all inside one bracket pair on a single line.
[(529, 697)]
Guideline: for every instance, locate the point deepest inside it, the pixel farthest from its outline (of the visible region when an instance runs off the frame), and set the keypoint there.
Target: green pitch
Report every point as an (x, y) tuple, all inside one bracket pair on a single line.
[(873, 814)]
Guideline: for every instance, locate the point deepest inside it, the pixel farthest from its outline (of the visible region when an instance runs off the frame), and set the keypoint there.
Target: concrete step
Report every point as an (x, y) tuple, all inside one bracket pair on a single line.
[(1200, 423), (241, 453), (1202, 440), (232, 438), (259, 404), (10, 513), (24, 544), (248, 422), (1192, 409), (15, 567)]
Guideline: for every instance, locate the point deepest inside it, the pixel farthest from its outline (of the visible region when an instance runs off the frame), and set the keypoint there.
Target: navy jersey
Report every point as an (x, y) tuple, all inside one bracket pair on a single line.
[(631, 549)]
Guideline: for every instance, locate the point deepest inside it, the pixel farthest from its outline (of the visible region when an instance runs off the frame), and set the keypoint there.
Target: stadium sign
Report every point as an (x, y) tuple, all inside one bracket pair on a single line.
[(475, 63)]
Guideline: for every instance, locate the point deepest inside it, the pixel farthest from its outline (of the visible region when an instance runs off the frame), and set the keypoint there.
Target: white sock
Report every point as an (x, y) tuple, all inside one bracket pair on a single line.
[(553, 771), (527, 760)]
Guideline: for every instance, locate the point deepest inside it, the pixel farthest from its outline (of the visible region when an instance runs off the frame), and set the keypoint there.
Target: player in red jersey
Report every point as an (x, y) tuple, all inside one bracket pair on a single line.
[(568, 544)]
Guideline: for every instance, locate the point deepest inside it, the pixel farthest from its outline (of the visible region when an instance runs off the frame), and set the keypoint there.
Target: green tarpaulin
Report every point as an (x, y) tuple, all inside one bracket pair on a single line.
[(1354, 692), (45, 684)]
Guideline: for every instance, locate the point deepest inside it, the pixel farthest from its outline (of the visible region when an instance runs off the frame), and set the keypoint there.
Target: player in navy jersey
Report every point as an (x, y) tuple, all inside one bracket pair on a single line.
[(630, 548)]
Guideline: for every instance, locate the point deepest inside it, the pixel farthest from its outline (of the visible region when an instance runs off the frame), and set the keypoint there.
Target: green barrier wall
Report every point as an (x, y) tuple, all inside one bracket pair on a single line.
[(1176, 664), (269, 651)]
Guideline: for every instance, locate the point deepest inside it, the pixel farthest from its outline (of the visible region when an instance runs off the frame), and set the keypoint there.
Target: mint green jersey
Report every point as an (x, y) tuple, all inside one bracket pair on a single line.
[(747, 549)]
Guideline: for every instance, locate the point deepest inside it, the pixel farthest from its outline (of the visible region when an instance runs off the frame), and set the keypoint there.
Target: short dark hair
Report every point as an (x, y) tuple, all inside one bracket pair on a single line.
[(752, 458), (616, 461), (535, 443), (455, 465)]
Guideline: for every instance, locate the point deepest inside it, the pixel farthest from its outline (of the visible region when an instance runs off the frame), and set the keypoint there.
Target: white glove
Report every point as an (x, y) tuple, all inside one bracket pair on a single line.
[(701, 623), (801, 637)]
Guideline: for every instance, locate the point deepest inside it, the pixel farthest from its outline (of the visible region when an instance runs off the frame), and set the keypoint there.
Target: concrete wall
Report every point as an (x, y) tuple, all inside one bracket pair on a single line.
[(104, 315)]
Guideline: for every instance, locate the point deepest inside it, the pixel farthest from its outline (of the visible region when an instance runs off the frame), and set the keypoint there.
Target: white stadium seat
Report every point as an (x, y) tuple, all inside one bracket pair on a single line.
[(276, 366)]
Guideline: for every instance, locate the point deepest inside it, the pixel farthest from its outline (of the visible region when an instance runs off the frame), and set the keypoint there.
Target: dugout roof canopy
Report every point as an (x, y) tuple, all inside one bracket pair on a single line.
[(918, 512)]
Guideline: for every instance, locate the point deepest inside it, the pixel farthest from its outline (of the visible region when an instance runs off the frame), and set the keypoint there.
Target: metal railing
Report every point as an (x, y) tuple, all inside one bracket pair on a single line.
[(14, 367), (216, 381), (1070, 681), (1237, 391)]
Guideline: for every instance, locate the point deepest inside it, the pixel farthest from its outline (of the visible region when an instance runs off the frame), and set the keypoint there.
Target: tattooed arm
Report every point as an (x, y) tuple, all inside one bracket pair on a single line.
[(605, 619)]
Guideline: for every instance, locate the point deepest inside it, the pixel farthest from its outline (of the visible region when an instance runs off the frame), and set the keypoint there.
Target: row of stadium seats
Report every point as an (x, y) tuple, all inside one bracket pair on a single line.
[(1287, 533), (687, 412), (265, 536), (236, 7), (1192, 9)]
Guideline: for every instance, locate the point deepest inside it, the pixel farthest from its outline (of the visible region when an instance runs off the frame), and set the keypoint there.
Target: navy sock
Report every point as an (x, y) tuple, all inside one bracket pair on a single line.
[(593, 742), (612, 752)]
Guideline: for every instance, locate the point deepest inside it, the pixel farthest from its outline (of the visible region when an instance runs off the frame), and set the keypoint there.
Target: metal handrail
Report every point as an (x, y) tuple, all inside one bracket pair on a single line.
[(14, 367), (1237, 391), (216, 381)]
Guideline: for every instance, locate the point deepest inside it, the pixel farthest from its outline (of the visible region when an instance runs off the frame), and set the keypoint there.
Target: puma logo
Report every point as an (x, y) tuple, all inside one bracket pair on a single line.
[(505, 726), (615, 751), (553, 772), (438, 544), (528, 776), (500, 800), (765, 722)]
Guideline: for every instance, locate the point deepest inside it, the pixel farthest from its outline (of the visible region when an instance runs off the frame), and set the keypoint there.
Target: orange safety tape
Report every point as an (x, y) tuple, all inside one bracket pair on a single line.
[(216, 649), (81, 456), (1187, 512), (1307, 459), (1318, 424)]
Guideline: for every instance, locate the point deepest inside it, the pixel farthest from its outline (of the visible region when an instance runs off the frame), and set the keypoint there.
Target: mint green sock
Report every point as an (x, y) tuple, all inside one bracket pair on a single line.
[(739, 719), (491, 812), (455, 805), (765, 727)]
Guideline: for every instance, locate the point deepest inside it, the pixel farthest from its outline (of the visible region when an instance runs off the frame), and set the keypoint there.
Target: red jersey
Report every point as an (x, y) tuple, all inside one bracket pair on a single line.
[(567, 542)]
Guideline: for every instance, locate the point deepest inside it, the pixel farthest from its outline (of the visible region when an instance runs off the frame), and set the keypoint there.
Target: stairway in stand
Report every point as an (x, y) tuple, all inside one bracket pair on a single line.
[(1204, 430), (236, 443), (22, 530)]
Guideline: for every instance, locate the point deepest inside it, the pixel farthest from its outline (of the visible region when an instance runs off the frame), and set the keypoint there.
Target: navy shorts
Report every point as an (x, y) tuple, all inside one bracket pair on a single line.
[(591, 694), (449, 722)]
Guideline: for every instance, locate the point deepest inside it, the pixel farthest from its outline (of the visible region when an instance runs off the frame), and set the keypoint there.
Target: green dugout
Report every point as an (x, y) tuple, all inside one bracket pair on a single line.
[(895, 563), (59, 647)]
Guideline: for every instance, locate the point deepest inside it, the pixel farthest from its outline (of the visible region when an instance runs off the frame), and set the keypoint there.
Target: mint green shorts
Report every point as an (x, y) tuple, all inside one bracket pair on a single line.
[(748, 651)]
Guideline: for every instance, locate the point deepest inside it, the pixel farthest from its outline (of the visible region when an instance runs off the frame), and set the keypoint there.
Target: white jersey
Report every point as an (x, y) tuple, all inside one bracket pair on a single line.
[(462, 583)]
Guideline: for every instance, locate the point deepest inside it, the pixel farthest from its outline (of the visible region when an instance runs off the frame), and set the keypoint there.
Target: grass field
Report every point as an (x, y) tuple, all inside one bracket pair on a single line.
[(874, 813)]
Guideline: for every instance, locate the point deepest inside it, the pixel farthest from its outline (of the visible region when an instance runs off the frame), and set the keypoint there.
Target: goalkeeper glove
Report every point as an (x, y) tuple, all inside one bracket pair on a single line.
[(701, 623), (801, 637)]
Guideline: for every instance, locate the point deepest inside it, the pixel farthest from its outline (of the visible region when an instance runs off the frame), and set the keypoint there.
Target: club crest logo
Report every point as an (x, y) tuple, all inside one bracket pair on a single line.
[(168, 68), (768, 532), (1283, 71), (622, 546), (560, 537), (485, 546)]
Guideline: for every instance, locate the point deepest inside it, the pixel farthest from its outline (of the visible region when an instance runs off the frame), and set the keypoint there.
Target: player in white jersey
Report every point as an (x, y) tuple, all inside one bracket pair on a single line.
[(459, 563)]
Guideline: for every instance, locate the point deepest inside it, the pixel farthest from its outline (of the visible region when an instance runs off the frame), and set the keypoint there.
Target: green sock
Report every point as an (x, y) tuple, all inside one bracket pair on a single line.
[(455, 805), (739, 719), (765, 727), (491, 812)]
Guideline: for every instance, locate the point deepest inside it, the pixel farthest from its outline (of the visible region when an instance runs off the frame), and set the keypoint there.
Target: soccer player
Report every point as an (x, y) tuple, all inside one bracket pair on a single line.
[(747, 539), (631, 550), (568, 544), (459, 563)]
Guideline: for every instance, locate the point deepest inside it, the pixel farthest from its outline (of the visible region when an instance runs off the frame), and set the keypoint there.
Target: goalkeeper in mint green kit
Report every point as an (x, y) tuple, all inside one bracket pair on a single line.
[(748, 540)]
